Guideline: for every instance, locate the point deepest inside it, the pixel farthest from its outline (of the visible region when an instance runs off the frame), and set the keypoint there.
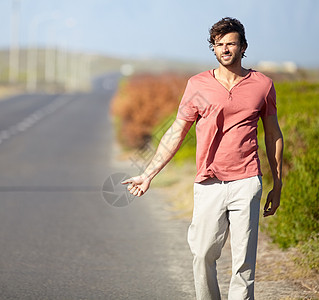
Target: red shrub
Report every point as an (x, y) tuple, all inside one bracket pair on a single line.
[(142, 102)]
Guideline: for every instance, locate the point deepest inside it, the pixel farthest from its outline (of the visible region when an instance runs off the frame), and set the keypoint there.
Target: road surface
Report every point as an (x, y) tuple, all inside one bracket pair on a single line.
[(59, 238)]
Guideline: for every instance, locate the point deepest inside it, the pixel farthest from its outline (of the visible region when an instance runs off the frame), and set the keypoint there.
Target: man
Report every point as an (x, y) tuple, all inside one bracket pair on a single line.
[(226, 104)]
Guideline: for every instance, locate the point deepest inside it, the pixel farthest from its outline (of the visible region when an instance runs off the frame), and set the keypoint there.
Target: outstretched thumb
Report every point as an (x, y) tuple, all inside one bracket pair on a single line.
[(130, 180)]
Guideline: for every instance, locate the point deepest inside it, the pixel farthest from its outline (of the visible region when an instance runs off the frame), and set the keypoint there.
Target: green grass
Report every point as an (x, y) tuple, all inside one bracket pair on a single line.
[(296, 222)]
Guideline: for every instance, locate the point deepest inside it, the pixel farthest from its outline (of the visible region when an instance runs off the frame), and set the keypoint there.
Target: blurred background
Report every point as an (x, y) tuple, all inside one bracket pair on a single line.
[(88, 89), (62, 44)]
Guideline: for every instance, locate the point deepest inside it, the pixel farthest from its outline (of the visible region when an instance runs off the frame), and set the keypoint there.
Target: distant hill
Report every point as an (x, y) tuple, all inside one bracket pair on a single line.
[(60, 69)]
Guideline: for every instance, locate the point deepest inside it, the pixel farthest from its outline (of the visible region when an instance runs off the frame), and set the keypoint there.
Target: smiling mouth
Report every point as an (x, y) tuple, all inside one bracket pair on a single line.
[(226, 56)]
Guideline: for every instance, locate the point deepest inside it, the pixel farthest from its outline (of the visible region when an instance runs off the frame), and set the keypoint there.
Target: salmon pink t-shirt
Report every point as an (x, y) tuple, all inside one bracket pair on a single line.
[(226, 123)]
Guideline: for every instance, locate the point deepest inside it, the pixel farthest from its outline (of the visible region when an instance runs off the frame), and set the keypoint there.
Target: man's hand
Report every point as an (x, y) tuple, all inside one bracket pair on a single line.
[(274, 148), (272, 203), (138, 185)]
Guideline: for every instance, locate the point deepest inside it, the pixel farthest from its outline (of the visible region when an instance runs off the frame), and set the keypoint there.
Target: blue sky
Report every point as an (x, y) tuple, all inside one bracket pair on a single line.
[(277, 30)]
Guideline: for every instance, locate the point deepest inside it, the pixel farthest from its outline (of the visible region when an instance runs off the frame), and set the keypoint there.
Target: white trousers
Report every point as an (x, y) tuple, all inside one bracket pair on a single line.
[(220, 207)]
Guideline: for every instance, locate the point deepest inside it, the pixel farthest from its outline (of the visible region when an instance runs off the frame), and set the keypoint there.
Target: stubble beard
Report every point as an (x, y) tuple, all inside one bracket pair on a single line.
[(235, 57)]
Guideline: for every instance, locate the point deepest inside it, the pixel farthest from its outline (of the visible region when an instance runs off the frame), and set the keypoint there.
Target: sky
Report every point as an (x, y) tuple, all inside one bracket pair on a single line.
[(276, 30)]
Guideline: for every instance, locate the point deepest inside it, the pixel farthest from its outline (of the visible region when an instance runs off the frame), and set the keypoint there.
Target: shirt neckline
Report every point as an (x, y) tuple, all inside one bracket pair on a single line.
[(212, 73)]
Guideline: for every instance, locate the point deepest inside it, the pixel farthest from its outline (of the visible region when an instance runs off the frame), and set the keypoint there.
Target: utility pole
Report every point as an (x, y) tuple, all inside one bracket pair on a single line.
[(14, 44), (32, 55)]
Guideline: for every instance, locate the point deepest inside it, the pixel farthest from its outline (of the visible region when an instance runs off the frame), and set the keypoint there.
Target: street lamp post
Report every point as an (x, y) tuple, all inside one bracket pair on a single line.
[(65, 61), (14, 45), (32, 56)]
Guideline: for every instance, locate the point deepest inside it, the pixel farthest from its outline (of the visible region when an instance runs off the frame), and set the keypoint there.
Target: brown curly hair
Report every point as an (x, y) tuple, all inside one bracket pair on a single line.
[(224, 26)]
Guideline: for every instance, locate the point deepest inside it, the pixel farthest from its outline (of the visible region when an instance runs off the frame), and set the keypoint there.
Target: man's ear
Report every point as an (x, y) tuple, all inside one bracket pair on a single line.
[(243, 49), (213, 51)]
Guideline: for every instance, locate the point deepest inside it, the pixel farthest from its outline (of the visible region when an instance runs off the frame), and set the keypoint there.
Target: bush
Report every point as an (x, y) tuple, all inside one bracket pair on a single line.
[(142, 102)]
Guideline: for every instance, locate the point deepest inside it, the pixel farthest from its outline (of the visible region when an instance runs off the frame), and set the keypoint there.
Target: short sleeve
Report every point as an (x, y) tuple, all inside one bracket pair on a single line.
[(270, 107), (187, 110)]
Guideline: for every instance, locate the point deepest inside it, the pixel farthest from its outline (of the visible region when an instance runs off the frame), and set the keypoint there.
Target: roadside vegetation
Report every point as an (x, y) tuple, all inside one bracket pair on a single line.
[(145, 106)]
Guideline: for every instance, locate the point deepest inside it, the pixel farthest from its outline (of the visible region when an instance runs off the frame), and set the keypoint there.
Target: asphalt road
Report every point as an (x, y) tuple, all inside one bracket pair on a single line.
[(59, 237)]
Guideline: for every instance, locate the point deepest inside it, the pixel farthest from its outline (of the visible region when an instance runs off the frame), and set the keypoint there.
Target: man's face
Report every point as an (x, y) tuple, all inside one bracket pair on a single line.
[(228, 50)]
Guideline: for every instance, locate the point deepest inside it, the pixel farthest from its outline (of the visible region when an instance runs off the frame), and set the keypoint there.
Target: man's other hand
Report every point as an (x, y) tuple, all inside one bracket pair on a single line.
[(272, 203)]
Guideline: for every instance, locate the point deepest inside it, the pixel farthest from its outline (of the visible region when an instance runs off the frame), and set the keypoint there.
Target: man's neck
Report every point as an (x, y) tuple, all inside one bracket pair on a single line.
[(230, 73)]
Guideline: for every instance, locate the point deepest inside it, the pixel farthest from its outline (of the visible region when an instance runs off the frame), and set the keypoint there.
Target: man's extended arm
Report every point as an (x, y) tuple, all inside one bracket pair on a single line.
[(170, 143), (274, 148)]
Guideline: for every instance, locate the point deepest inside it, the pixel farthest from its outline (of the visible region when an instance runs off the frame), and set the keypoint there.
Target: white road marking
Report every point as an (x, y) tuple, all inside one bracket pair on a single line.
[(33, 118)]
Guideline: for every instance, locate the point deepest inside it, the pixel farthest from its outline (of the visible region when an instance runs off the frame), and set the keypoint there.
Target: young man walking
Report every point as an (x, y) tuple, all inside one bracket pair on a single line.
[(226, 104)]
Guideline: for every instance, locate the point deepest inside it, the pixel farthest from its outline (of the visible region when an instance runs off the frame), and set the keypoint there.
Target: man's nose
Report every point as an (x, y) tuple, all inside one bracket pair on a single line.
[(225, 48)]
